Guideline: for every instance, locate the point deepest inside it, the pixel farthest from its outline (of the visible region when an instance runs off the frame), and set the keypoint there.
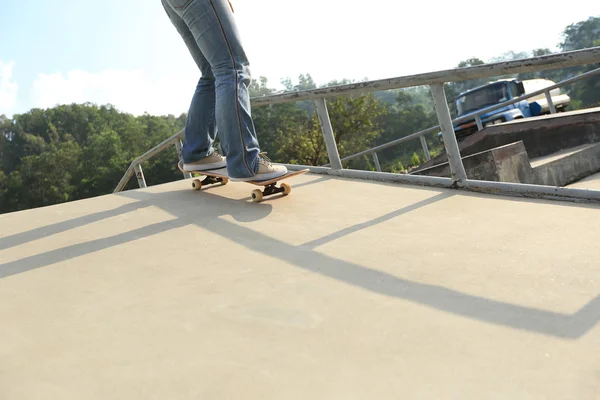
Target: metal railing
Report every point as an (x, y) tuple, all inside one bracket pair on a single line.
[(435, 81), (477, 116)]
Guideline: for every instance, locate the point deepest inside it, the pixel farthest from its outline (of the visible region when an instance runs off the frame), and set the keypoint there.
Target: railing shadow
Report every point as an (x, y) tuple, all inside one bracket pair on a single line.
[(211, 207), (63, 226), (355, 228), (209, 210)]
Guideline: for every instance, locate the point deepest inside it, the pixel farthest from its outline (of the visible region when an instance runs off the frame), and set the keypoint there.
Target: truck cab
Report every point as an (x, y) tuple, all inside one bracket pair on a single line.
[(472, 101)]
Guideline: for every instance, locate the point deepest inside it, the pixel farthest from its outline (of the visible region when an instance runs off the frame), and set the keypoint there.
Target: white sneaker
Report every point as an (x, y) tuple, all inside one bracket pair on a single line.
[(266, 170), (214, 161)]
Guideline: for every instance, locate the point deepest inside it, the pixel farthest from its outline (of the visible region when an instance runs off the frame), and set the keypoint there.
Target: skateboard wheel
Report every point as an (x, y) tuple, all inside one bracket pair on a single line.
[(287, 188), (197, 184), (257, 195), (225, 181)]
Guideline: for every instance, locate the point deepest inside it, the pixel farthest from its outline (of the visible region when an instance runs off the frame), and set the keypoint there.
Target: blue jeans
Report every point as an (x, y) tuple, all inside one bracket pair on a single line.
[(221, 102)]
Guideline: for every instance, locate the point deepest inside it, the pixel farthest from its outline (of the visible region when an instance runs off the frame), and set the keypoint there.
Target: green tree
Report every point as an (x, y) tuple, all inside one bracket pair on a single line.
[(44, 179), (355, 127), (404, 118), (103, 164), (581, 35)]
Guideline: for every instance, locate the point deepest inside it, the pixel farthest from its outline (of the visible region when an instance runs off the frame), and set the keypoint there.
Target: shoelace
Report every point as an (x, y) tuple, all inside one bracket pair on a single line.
[(264, 159)]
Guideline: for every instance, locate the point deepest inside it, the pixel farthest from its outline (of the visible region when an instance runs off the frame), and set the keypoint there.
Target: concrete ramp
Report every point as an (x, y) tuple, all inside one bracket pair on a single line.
[(342, 290)]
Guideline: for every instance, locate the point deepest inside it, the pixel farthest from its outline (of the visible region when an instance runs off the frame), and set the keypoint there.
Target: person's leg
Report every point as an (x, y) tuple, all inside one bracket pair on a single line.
[(213, 27), (200, 130)]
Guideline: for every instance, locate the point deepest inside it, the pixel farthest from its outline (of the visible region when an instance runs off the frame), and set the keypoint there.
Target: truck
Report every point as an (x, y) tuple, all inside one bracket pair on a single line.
[(500, 91)]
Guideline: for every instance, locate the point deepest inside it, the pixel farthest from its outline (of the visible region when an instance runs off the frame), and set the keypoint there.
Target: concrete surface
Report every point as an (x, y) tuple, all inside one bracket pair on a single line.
[(342, 290), (590, 182), (536, 162)]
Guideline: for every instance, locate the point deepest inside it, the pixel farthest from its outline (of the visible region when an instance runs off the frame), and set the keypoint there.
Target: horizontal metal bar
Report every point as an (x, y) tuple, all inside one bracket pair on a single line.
[(531, 191), (422, 180), (552, 61), (471, 185), (392, 143)]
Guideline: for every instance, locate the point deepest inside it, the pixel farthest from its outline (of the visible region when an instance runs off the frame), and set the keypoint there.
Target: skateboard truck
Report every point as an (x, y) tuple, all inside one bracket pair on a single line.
[(209, 180), (271, 189)]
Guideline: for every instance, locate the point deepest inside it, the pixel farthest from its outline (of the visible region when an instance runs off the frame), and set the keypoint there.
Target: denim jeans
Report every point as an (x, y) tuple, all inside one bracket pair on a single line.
[(221, 102)]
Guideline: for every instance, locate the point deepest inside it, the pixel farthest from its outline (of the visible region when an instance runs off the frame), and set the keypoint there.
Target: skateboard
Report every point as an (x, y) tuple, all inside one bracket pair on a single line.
[(220, 176)]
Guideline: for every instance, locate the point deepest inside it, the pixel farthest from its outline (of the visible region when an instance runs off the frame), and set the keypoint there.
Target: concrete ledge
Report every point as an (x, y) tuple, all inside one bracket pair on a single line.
[(508, 163), (541, 135), (570, 168)]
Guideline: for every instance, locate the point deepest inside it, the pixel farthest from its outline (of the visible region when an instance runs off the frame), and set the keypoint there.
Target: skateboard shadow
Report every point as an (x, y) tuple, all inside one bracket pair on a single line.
[(202, 204)]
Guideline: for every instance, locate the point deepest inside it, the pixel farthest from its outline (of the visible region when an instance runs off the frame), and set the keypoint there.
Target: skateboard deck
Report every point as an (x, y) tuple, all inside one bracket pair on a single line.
[(220, 176)]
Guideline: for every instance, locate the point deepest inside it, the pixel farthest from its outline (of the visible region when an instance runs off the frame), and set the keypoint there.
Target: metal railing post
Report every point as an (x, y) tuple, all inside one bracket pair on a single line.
[(376, 161), (440, 103), (179, 148), (332, 150), (425, 148), (550, 102), (478, 122), (139, 174)]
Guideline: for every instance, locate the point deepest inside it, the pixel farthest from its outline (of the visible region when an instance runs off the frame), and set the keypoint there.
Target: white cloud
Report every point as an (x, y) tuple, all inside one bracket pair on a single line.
[(130, 91), (8, 88)]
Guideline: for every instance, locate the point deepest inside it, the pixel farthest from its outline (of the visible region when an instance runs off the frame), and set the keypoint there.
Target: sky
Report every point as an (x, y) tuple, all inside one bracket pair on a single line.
[(127, 53)]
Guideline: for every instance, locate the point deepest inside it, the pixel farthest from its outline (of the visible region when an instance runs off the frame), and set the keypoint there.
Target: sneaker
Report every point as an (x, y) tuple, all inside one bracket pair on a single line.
[(214, 161), (266, 170)]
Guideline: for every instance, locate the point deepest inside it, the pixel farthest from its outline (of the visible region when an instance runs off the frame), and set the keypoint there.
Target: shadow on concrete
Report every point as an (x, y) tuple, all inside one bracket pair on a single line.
[(313, 244), (207, 211), (568, 326), (437, 297), (81, 249), (63, 226), (312, 182), (210, 207)]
